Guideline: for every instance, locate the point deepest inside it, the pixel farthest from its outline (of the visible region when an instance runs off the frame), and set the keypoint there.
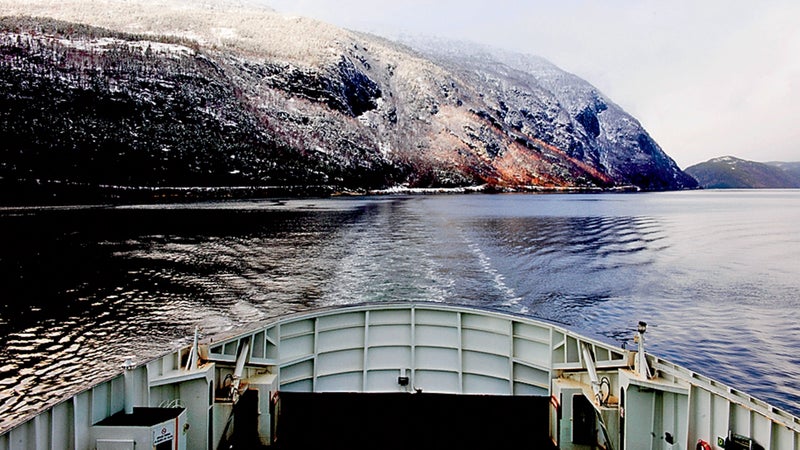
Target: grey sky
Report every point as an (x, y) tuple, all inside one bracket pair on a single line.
[(705, 77)]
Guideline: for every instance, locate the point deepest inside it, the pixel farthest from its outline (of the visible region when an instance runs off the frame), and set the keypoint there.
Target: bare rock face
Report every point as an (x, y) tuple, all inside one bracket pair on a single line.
[(246, 97), (536, 98)]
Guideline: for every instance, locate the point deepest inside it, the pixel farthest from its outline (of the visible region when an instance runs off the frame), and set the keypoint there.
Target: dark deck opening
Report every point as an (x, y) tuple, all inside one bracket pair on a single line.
[(141, 417), (411, 421)]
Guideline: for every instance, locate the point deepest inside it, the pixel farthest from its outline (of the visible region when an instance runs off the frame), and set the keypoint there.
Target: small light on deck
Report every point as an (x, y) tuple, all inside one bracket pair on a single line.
[(642, 327)]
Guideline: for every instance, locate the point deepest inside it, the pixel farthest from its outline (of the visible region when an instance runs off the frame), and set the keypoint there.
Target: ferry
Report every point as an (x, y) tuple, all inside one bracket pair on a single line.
[(410, 375)]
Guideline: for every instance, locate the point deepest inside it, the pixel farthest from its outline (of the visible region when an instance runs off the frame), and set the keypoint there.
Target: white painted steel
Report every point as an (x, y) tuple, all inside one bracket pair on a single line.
[(440, 348)]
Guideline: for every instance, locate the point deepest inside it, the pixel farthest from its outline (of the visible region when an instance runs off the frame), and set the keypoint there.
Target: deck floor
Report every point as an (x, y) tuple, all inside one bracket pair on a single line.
[(411, 421)]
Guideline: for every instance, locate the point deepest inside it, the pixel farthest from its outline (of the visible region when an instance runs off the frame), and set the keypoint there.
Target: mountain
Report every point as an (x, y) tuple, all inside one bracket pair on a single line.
[(792, 168), (728, 172), (123, 96), (530, 95)]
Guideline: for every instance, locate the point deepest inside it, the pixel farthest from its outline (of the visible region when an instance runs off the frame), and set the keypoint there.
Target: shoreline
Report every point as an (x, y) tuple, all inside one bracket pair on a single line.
[(62, 194)]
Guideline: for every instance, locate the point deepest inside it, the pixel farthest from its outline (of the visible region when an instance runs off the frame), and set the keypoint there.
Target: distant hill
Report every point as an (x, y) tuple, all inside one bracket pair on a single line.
[(792, 168), (728, 172)]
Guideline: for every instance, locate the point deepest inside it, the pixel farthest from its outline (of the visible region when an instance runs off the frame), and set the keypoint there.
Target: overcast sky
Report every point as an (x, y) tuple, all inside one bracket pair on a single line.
[(705, 77)]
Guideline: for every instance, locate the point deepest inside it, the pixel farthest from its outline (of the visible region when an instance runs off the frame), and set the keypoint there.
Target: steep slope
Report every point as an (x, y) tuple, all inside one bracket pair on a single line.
[(531, 95), (112, 93), (728, 172)]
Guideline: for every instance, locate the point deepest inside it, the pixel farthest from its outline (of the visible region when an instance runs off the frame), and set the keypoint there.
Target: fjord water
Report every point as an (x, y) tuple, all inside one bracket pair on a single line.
[(716, 274)]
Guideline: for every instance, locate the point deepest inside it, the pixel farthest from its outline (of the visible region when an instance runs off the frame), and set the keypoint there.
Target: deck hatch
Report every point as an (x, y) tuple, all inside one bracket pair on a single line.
[(403, 421)]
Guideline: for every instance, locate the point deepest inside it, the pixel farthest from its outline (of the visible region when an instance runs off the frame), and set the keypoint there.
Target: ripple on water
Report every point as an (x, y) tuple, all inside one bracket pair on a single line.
[(717, 284)]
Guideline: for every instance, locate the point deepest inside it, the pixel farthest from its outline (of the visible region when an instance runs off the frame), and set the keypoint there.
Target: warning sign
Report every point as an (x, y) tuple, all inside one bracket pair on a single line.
[(161, 435)]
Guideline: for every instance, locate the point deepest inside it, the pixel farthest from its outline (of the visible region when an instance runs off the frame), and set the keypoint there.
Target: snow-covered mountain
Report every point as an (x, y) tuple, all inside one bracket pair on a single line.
[(572, 114), (141, 93)]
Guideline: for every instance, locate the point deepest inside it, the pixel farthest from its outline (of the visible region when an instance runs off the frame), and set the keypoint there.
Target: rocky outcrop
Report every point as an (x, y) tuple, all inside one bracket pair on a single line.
[(541, 100), (92, 106)]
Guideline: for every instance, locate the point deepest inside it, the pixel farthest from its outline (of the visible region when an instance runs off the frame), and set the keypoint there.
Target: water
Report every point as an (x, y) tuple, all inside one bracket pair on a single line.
[(716, 274)]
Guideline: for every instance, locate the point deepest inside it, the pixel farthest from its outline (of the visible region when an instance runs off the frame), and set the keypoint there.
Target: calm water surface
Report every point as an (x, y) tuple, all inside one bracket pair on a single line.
[(716, 274)]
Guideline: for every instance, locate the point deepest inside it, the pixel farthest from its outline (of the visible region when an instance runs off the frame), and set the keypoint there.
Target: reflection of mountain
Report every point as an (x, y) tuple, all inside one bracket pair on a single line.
[(153, 94), (728, 172)]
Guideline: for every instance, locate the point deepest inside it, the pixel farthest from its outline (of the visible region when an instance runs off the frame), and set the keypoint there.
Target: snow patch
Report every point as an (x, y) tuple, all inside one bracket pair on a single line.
[(729, 160), (105, 44)]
